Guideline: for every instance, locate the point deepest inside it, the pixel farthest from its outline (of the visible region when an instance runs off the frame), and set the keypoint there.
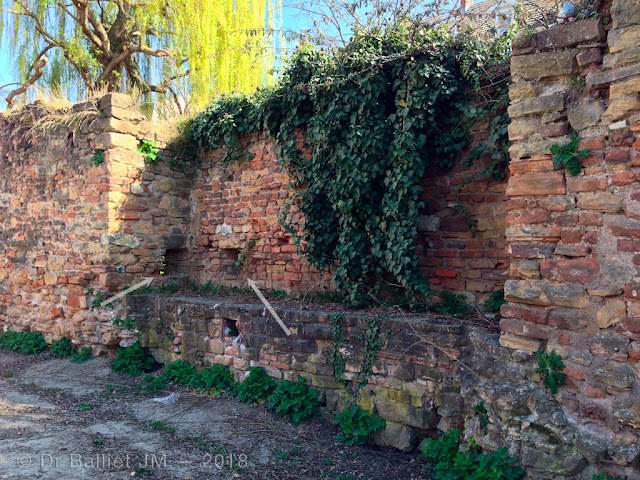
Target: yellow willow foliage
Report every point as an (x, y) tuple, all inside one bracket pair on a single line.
[(225, 45), (230, 44)]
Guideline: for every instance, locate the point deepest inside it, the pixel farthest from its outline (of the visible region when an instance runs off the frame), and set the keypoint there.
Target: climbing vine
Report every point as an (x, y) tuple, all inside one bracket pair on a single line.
[(336, 360), (356, 128)]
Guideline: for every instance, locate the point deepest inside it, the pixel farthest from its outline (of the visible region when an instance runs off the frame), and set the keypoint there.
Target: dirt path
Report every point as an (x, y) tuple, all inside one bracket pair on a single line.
[(60, 420)]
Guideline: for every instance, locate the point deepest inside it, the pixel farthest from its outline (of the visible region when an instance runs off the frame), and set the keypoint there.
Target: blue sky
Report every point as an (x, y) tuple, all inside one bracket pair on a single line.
[(292, 19)]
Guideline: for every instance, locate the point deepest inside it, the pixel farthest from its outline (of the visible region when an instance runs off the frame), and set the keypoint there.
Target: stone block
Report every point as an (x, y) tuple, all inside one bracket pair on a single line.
[(533, 233), (585, 113), (536, 184), (621, 108), (543, 65), (535, 147), (398, 436), (606, 203), (626, 88), (598, 78), (107, 140), (518, 343), (537, 105), (623, 38), (624, 57), (519, 90), (612, 312), (523, 127), (524, 268), (621, 378), (120, 100), (625, 13), (540, 292), (571, 34)]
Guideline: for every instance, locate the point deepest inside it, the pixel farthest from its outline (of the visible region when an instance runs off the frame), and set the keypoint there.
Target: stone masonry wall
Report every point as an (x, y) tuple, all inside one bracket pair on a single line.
[(426, 379), (574, 241)]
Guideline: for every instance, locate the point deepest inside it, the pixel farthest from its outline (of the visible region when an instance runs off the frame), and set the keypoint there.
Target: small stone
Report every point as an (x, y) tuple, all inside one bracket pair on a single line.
[(619, 378), (523, 89), (517, 343), (612, 312)]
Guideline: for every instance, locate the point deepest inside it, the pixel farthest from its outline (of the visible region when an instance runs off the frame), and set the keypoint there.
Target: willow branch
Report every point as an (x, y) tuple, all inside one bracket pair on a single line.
[(37, 74), (38, 24), (137, 48)]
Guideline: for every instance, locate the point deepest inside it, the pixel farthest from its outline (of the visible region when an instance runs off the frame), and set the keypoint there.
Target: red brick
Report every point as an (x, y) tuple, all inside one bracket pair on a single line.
[(625, 232), (572, 250), (77, 301), (624, 178), (578, 184), (632, 324), (582, 270), (632, 291), (624, 139), (511, 311), (532, 315), (446, 273), (572, 236), (472, 253), (557, 130), (594, 143), (536, 184), (617, 156), (523, 329), (533, 218), (591, 219), (530, 165), (574, 373), (594, 392), (566, 320), (566, 220), (629, 245), (591, 237)]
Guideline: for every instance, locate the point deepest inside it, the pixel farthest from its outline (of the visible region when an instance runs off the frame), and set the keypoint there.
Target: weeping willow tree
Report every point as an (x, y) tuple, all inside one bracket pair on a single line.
[(176, 48)]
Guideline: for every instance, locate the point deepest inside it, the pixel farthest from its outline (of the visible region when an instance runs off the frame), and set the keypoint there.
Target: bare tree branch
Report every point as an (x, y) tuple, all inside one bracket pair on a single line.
[(37, 74), (126, 54)]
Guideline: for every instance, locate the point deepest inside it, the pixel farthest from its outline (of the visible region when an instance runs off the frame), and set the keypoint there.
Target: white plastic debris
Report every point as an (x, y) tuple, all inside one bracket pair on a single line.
[(168, 401)]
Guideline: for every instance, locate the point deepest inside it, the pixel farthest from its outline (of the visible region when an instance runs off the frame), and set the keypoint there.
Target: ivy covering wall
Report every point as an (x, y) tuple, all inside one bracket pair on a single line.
[(356, 128)]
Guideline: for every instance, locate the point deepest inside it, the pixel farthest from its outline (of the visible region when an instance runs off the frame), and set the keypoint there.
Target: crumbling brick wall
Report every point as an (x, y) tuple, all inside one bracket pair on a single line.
[(68, 223), (237, 202)]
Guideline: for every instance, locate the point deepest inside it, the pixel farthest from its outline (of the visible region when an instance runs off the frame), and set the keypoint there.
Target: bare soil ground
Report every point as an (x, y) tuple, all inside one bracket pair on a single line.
[(66, 421)]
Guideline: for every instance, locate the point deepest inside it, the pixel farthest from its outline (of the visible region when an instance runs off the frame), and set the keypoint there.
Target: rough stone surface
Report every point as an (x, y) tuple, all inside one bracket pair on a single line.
[(537, 105), (542, 65), (585, 113), (536, 184), (612, 312), (571, 34)]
